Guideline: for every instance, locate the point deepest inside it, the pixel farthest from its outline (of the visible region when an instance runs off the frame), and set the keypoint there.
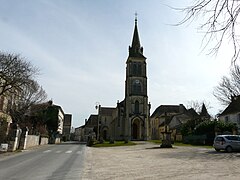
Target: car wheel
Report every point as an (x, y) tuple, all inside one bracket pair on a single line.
[(217, 150), (229, 149)]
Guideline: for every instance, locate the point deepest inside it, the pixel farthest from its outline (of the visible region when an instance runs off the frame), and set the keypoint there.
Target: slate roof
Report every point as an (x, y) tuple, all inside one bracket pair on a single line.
[(92, 120), (167, 109), (233, 107), (35, 108), (204, 112), (136, 50), (191, 112), (107, 111), (167, 121)]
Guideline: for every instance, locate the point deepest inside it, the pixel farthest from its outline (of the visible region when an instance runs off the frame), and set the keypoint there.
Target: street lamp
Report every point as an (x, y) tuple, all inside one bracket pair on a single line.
[(97, 107)]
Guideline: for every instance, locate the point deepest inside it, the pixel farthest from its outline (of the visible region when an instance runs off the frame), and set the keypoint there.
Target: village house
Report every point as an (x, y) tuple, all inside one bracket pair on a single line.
[(232, 112), (67, 123), (5, 118), (91, 127), (173, 117), (79, 134)]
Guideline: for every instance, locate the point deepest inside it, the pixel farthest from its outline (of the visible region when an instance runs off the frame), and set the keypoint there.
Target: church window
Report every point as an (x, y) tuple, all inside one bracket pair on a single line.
[(137, 87), (136, 107), (137, 69), (118, 121), (134, 69)]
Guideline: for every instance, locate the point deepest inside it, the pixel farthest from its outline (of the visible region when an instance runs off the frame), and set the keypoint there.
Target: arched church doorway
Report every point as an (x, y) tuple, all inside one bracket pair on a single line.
[(105, 134), (136, 129)]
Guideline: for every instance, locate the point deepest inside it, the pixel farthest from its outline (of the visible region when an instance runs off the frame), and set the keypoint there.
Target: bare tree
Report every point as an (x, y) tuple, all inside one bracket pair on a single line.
[(15, 73), (197, 105), (29, 95), (228, 87), (221, 22)]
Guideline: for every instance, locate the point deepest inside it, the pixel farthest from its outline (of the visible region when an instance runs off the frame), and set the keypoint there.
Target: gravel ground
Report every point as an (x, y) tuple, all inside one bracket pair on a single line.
[(148, 161)]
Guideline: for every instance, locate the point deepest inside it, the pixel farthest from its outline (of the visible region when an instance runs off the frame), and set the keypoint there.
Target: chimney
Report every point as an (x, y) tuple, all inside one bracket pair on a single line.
[(181, 108)]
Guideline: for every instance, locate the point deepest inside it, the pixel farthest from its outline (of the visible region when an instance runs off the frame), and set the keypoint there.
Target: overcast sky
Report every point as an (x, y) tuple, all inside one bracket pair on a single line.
[(81, 47)]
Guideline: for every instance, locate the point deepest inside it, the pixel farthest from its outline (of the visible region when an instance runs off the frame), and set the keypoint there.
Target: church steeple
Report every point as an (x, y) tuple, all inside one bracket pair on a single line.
[(136, 50)]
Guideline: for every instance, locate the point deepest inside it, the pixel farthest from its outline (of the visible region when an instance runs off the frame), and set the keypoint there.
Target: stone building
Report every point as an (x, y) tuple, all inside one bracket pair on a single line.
[(67, 123), (134, 110), (171, 117), (232, 112)]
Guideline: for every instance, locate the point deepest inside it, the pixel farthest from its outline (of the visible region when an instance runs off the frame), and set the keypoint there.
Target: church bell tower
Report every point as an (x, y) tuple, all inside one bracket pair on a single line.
[(136, 99)]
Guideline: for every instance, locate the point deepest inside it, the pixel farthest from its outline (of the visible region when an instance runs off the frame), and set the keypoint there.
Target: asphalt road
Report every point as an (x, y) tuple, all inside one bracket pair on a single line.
[(50, 162)]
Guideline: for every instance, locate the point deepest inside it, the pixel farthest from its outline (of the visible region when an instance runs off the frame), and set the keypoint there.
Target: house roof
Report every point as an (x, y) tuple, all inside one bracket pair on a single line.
[(167, 121), (38, 107), (92, 120), (204, 112), (233, 107), (168, 109), (41, 106), (191, 112), (107, 111)]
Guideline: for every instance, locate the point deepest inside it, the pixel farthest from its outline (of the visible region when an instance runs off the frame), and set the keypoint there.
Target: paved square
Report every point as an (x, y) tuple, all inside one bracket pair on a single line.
[(147, 161)]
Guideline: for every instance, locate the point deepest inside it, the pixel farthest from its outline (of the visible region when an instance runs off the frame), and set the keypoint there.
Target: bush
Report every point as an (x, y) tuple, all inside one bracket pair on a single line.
[(207, 129), (195, 139)]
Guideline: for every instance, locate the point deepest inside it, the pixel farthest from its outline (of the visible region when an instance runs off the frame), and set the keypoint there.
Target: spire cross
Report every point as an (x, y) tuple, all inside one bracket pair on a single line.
[(136, 14)]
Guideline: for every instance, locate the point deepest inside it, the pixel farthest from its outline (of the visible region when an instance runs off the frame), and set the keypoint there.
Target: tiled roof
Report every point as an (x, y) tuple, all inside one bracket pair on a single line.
[(107, 111), (167, 109), (92, 120), (233, 107), (191, 112), (204, 112)]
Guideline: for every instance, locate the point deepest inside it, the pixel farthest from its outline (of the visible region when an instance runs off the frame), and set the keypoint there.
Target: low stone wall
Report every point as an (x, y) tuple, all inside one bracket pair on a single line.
[(43, 141), (32, 140)]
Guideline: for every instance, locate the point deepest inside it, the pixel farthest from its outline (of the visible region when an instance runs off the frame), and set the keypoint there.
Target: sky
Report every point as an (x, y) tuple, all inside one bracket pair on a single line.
[(81, 48)]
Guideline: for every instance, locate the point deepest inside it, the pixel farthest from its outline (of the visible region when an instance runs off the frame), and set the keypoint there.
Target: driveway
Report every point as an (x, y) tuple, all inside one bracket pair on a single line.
[(148, 161)]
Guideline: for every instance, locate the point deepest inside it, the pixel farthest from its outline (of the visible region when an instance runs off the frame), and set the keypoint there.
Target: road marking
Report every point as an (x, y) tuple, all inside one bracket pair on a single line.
[(47, 151), (68, 152)]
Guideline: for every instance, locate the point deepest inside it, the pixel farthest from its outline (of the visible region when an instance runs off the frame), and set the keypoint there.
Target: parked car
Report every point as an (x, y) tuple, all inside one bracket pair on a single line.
[(228, 143)]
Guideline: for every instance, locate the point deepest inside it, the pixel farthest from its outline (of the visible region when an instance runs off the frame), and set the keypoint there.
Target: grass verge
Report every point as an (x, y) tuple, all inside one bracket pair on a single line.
[(116, 143), (181, 144)]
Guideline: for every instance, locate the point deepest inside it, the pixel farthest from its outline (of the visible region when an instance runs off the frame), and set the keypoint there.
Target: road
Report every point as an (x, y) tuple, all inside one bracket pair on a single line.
[(58, 162)]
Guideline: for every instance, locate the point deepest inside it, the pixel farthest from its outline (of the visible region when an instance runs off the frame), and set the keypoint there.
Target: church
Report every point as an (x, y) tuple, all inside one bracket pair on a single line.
[(129, 120)]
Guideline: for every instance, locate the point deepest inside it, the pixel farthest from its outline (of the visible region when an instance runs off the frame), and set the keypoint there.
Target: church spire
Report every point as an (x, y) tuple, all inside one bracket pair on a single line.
[(136, 50)]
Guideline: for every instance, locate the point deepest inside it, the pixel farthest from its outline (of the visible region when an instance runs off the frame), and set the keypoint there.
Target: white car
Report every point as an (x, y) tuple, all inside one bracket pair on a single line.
[(228, 143)]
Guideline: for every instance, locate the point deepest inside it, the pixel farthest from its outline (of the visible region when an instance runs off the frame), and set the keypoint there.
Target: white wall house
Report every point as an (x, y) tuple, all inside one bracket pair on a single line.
[(232, 112), (60, 120)]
